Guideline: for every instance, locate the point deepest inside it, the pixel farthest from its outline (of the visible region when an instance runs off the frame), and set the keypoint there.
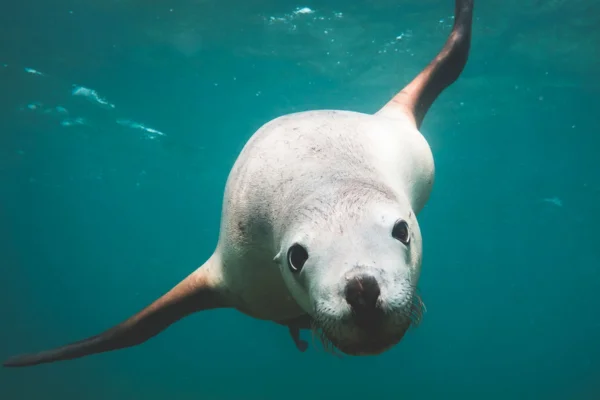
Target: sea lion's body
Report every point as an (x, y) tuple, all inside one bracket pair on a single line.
[(297, 156), (319, 225)]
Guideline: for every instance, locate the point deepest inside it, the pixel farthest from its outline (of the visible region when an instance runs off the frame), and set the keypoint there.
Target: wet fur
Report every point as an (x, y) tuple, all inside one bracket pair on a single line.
[(324, 195), (344, 178)]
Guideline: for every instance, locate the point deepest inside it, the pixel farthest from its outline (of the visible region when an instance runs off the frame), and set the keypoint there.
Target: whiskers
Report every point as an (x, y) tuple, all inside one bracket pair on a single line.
[(319, 333), (417, 308), (337, 336), (326, 343)]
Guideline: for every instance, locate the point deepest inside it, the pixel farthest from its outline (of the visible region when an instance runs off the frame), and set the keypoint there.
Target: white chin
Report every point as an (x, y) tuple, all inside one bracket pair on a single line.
[(353, 341)]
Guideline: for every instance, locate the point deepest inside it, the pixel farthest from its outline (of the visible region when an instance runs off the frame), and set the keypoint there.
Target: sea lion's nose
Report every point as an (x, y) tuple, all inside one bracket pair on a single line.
[(362, 294)]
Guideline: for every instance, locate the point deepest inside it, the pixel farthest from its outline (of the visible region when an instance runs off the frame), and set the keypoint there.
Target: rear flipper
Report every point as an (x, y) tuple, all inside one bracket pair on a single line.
[(301, 345), (294, 327)]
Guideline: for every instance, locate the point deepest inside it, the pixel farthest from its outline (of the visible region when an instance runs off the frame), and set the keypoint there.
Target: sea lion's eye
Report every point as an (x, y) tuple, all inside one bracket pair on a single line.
[(400, 232), (297, 256)]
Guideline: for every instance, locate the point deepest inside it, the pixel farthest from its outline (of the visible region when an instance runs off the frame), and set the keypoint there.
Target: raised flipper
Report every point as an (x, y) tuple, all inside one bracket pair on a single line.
[(417, 97), (199, 291)]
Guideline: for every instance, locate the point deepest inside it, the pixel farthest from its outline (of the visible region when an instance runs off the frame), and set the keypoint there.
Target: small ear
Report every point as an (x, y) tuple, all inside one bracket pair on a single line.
[(277, 258), (199, 291)]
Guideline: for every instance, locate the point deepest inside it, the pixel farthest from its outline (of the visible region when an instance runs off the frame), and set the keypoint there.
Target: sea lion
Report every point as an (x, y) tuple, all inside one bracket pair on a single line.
[(318, 225)]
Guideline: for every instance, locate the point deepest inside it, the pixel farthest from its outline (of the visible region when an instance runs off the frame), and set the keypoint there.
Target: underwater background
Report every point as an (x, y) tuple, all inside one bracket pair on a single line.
[(120, 121)]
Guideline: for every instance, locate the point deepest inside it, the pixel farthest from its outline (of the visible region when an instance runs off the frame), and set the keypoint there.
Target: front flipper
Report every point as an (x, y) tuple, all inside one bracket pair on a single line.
[(199, 291), (294, 326)]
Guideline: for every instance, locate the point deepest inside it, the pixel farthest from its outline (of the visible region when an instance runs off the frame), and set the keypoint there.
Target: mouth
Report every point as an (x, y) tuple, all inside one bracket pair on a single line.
[(347, 338), (371, 346), (361, 343)]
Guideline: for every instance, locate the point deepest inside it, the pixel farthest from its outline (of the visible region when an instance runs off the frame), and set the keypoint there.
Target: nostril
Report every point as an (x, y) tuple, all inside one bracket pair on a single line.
[(362, 293)]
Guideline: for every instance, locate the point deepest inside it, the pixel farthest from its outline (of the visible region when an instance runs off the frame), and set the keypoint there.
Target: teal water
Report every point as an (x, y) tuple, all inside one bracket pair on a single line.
[(121, 120)]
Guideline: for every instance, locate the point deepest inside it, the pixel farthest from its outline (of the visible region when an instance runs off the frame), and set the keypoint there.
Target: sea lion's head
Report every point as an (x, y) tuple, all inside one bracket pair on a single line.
[(351, 259)]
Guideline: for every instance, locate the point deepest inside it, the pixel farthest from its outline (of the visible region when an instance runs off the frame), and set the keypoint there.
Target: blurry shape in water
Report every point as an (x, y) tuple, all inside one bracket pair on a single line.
[(151, 133), (73, 121), (91, 95), (553, 200), (287, 18), (34, 106), (61, 110), (303, 10), (58, 110), (55, 111), (33, 71)]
